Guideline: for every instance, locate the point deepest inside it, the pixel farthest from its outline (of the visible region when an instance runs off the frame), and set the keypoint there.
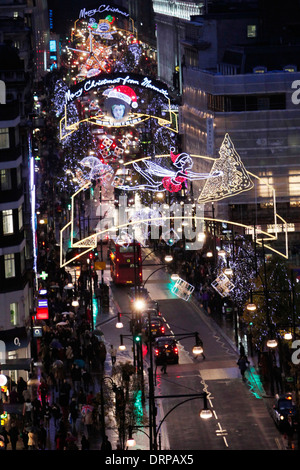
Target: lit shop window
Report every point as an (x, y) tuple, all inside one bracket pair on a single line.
[(9, 266), (7, 222)]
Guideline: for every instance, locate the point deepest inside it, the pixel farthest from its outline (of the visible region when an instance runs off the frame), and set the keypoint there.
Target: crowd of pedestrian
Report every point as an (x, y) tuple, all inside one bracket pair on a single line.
[(70, 357)]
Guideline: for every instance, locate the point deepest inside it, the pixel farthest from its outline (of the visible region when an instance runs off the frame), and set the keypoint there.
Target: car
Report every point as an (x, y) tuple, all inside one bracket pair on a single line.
[(284, 411), (169, 345), (139, 293), (152, 312), (157, 327), (153, 305)]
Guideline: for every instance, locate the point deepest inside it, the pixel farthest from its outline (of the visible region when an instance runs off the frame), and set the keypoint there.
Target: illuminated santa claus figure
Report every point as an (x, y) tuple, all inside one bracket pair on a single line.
[(119, 101)]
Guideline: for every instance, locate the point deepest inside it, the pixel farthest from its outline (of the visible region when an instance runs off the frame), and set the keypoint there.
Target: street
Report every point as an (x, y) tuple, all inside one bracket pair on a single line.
[(241, 420)]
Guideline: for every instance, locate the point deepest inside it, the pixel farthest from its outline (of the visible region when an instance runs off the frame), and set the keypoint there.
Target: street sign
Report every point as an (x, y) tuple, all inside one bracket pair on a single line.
[(42, 313), (100, 265), (37, 331)]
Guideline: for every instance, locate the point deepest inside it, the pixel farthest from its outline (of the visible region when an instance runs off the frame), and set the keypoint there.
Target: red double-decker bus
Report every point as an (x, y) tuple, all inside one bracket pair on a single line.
[(126, 263)]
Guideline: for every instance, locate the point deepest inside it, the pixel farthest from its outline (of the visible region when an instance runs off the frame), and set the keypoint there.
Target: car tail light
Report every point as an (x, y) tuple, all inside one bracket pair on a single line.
[(176, 350), (162, 329), (156, 352)]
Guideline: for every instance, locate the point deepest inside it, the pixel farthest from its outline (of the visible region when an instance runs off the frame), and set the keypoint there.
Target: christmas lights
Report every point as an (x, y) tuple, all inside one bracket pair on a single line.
[(171, 180)]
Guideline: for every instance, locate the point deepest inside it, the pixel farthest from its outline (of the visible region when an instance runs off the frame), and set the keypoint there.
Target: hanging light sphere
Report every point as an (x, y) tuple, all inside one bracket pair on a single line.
[(272, 343), (251, 307), (228, 271), (205, 414), (197, 350), (3, 380), (131, 442), (221, 252)]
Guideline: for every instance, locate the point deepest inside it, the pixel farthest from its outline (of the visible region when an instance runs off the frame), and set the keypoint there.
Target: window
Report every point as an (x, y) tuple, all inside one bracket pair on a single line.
[(251, 31), (7, 222), (4, 138), (9, 266), (22, 261), (13, 313), (20, 217), (19, 176), (290, 68), (5, 180), (260, 69)]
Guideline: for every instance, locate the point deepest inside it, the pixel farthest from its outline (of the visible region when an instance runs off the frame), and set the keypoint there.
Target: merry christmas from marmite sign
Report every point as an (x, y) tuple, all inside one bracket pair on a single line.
[(123, 100)]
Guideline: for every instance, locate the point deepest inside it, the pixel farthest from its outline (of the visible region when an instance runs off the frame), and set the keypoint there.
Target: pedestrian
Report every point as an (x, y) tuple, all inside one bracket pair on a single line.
[(243, 364), (87, 379), (14, 436), (24, 436), (42, 437), (113, 354), (47, 414), (4, 434), (21, 386), (56, 413), (74, 413), (36, 411), (27, 411), (76, 377), (106, 445), (164, 361), (242, 349), (85, 444), (88, 422), (32, 439), (13, 396)]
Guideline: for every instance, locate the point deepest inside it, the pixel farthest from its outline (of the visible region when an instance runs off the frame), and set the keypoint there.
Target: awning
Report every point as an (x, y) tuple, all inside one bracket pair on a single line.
[(13, 408), (16, 364), (15, 338)]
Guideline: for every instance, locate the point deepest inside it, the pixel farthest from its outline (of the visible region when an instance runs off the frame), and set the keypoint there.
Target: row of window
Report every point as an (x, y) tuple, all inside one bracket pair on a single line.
[(234, 103)]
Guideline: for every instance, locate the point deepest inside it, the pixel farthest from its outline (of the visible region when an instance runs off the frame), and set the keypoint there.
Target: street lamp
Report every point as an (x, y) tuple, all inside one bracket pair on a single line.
[(119, 323), (197, 350), (139, 305), (272, 343), (130, 441), (204, 414)]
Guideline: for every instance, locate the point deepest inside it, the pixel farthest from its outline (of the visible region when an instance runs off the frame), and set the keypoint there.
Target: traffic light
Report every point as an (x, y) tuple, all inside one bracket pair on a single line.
[(170, 242), (137, 338)]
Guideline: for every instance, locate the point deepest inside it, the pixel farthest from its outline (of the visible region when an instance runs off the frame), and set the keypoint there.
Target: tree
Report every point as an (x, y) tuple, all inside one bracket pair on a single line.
[(273, 297)]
